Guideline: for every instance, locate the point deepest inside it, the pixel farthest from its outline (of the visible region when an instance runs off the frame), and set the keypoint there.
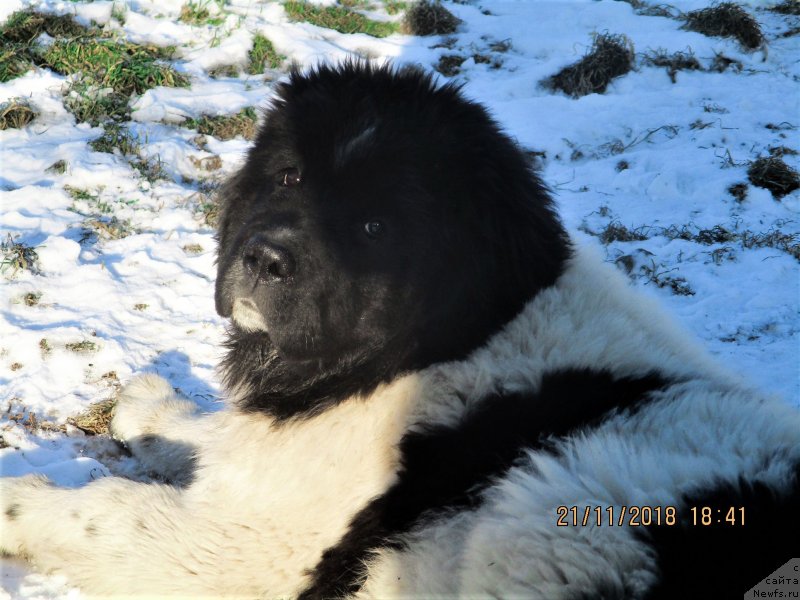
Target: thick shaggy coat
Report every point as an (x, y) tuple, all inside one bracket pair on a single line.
[(432, 393)]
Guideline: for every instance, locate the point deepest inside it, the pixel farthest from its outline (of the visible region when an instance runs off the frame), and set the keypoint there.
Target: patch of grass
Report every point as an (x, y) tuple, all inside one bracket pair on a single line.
[(787, 7), (193, 248), (227, 127), (617, 232), (450, 64), (80, 193), (204, 203), (140, 306), (32, 298), (263, 55), (16, 114), (151, 170), (207, 163), (107, 228), (24, 26), (782, 151), (44, 347), (33, 424), (84, 346), (96, 418), (677, 61), (59, 167), (429, 17), (116, 137), (395, 7), (17, 256), (15, 60), (92, 104), (678, 285), (773, 174), (18, 34), (125, 67), (785, 242), (738, 191), (338, 18), (722, 63), (611, 56), (726, 19), (197, 13)]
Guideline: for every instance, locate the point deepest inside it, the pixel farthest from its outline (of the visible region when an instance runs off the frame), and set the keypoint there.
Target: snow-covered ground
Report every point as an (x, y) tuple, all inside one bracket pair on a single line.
[(652, 155)]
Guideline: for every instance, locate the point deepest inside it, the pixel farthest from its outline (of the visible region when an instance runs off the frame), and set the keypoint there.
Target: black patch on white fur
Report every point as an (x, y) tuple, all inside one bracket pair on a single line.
[(448, 467), (13, 511), (471, 235), (724, 560)]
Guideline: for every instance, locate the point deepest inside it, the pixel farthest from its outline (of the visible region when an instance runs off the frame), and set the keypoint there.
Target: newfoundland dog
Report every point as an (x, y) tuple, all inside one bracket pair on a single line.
[(433, 393)]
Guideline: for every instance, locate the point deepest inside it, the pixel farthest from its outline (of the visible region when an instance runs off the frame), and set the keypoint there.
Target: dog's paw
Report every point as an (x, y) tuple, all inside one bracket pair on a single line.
[(139, 405), (17, 497)]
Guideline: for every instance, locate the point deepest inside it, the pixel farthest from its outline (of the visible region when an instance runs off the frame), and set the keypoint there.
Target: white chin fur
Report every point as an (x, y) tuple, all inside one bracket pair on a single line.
[(246, 315)]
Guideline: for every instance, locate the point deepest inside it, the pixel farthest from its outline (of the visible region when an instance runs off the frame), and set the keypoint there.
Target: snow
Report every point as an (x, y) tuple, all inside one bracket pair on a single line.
[(146, 302)]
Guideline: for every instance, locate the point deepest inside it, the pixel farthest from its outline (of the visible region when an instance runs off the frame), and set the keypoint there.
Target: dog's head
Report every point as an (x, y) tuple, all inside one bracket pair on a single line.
[(380, 220)]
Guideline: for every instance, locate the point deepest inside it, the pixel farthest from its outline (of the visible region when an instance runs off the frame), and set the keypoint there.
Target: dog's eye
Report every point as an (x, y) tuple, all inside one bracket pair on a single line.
[(289, 177), (374, 229)]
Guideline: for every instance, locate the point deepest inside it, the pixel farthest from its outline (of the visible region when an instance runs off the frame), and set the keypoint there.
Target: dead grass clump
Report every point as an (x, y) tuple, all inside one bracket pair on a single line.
[(617, 232), (722, 63), (611, 56), (677, 61), (15, 60), (738, 191), (429, 17), (33, 424), (786, 242), (106, 228), (726, 20), (16, 114), (449, 65), (787, 7), (773, 174), (96, 418)]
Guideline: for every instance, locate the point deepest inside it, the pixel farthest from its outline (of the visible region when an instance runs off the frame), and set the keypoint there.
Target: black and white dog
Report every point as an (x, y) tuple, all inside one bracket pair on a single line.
[(433, 394)]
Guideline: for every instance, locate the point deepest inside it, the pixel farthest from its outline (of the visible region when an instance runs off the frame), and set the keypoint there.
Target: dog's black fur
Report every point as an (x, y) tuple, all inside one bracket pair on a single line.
[(348, 308)]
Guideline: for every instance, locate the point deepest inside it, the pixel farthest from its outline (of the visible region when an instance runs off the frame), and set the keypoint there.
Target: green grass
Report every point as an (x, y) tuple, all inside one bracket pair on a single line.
[(227, 127), (116, 137), (18, 35), (395, 7), (263, 55), (17, 256), (83, 346), (338, 18), (197, 13), (125, 67), (92, 104)]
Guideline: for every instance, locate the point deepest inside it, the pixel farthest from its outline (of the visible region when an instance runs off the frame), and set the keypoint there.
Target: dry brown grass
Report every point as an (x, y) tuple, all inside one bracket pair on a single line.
[(16, 114), (726, 20), (610, 56), (429, 18), (773, 174)]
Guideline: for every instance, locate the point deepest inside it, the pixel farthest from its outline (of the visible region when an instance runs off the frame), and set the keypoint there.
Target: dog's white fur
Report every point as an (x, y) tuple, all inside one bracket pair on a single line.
[(268, 498)]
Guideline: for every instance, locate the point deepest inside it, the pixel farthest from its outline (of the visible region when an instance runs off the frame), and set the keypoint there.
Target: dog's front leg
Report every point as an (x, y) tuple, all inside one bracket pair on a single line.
[(160, 428), (115, 536)]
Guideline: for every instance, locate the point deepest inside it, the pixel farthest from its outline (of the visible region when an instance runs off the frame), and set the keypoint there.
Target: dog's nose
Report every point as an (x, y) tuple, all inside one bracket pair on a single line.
[(267, 260)]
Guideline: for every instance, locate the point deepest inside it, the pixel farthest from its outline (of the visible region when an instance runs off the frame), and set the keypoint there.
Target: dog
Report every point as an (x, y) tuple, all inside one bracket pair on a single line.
[(433, 393)]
